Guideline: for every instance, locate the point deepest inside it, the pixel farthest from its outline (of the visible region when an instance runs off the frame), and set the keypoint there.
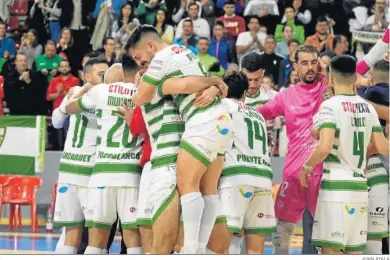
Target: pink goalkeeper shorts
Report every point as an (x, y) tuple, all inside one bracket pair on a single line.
[(292, 199)]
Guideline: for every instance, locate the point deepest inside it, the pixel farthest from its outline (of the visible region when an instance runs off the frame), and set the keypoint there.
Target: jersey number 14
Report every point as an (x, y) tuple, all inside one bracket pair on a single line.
[(256, 132)]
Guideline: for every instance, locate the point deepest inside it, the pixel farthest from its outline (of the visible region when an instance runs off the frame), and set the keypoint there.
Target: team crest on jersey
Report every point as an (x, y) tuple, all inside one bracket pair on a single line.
[(3, 131)]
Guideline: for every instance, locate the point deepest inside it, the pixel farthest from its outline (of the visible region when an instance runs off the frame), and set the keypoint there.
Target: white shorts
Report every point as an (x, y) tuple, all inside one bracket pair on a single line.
[(378, 199), (250, 208), (162, 190), (208, 140), (144, 217), (71, 204), (340, 225), (106, 203)]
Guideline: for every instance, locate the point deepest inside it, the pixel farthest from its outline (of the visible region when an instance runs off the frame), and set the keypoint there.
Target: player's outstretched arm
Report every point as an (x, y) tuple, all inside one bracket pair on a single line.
[(189, 85), (382, 111), (59, 114), (380, 142), (73, 107), (145, 92), (83, 103)]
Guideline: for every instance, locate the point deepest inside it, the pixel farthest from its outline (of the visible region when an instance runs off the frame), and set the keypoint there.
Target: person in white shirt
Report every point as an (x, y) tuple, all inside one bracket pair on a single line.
[(250, 41), (255, 7), (380, 16), (201, 26)]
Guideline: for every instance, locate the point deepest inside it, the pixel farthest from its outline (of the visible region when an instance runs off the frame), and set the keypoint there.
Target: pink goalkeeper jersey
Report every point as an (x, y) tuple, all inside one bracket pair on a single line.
[(297, 105)]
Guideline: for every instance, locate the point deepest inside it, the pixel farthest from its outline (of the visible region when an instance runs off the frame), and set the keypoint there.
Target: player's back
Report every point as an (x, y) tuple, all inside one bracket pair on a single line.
[(354, 120), (260, 98), (118, 152), (248, 162)]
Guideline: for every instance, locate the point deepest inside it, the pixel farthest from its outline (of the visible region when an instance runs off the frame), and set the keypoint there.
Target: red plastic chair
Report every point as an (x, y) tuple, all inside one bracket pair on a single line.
[(5, 196), (13, 23), (53, 198), (24, 192), (20, 7)]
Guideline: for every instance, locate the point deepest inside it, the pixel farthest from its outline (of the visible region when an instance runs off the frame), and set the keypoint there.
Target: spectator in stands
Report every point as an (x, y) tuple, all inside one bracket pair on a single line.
[(146, 11), (211, 63), (221, 47), (183, 10), (266, 10), (301, 13), (234, 24), (340, 44), (2, 62), (24, 90), (118, 51), (51, 9), (380, 16), (282, 47), (109, 46), (298, 31), (7, 46), (201, 27), (164, 29), (48, 63), (115, 7), (4, 10), (30, 47), (233, 67), (271, 60), (188, 38), (252, 40), (38, 22), (286, 65), (1, 96), (120, 28), (208, 11), (322, 40), (239, 5)]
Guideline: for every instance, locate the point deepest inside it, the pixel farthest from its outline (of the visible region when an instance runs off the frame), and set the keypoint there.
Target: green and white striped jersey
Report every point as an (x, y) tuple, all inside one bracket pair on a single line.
[(260, 98), (376, 172), (165, 127), (117, 152), (354, 120), (248, 162), (78, 156), (178, 61)]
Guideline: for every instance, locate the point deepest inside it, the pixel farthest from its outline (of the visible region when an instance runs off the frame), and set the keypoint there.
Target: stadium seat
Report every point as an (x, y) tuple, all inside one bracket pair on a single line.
[(24, 193), (53, 198), (13, 23), (5, 197), (20, 7)]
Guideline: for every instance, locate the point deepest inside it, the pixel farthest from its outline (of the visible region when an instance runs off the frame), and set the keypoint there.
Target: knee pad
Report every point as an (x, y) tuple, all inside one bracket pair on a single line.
[(281, 239)]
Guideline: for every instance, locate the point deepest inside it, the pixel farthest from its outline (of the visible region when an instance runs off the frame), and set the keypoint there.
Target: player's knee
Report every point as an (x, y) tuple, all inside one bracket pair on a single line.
[(186, 184), (164, 241)]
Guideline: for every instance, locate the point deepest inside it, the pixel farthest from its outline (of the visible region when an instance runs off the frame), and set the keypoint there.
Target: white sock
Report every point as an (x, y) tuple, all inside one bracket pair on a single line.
[(209, 252), (105, 251), (210, 213), (90, 250), (235, 246), (66, 250), (373, 247), (192, 205), (61, 241), (134, 251)]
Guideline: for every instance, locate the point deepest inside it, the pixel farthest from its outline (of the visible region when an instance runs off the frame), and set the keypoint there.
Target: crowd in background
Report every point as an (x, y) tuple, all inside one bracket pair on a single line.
[(41, 57)]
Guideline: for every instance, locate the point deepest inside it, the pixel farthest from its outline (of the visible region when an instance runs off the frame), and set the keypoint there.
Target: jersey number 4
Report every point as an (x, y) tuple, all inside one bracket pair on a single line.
[(358, 146), (256, 132)]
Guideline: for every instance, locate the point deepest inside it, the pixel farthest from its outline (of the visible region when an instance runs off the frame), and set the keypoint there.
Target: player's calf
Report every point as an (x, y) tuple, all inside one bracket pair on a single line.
[(97, 240), (255, 243), (146, 233), (132, 240), (281, 239), (180, 239), (219, 239)]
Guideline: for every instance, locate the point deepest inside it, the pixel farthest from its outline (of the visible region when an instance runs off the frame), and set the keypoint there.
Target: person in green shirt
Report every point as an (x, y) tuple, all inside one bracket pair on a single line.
[(298, 30), (211, 63), (2, 61), (146, 12), (49, 62)]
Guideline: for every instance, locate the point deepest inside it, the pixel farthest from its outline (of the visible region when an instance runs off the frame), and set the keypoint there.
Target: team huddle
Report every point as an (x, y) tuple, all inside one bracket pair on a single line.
[(208, 180)]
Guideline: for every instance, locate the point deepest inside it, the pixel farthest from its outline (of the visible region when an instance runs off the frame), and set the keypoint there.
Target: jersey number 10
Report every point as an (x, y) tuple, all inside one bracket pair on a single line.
[(256, 131)]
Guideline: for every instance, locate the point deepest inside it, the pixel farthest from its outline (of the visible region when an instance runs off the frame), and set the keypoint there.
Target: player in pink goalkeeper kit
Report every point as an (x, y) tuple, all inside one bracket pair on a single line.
[(297, 105)]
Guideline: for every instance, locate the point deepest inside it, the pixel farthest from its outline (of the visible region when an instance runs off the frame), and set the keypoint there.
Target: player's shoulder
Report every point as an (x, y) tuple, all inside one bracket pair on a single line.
[(168, 52)]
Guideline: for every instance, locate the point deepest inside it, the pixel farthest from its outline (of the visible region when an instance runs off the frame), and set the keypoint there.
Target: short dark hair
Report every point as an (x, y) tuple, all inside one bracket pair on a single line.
[(50, 42), (336, 39), (203, 38), (138, 33), (321, 19), (219, 23), (92, 54), (252, 62), (269, 76), (293, 41), (65, 60), (343, 67), (128, 64), (106, 39), (382, 65), (305, 48), (93, 61), (380, 72), (254, 17), (188, 20), (286, 25), (229, 2), (3, 23), (192, 4), (237, 83)]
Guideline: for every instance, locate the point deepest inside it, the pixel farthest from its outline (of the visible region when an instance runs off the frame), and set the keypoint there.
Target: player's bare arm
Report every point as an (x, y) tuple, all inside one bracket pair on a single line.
[(322, 150), (191, 84), (380, 142), (145, 93), (84, 89), (126, 112), (382, 111), (73, 107)]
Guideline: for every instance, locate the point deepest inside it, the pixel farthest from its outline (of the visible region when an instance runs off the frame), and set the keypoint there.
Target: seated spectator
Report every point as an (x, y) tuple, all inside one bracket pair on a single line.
[(188, 38), (282, 47), (7, 45), (181, 12), (212, 65), (221, 47), (252, 40), (298, 31), (287, 64), (119, 29), (263, 29), (322, 40), (48, 63), (380, 16), (270, 59), (201, 27), (301, 13), (266, 10), (30, 47), (164, 29), (234, 24), (146, 10), (239, 5), (24, 90), (208, 11), (109, 46), (340, 43), (2, 62)]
